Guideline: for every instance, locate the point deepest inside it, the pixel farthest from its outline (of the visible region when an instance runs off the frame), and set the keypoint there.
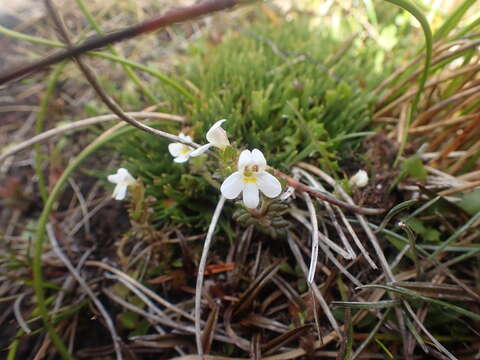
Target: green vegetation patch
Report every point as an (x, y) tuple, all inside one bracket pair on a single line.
[(295, 92)]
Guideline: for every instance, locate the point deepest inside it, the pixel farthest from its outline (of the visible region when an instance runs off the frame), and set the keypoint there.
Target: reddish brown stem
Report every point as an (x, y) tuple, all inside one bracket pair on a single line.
[(325, 197), (171, 17)]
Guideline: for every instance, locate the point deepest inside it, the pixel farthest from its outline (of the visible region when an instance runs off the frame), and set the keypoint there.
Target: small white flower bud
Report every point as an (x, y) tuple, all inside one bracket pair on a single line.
[(360, 179)]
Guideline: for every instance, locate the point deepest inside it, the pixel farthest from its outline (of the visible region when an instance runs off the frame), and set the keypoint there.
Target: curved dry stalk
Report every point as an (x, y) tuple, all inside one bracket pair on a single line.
[(201, 274), (83, 206), (140, 295), (82, 124), (145, 290), (430, 112), (427, 333), (434, 82), (330, 256), (86, 218), (95, 83), (313, 287), (18, 314), (440, 124), (86, 288), (371, 237), (314, 253), (325, 240), (356, 240), (330, 211), (158, 319), (171, 17), (342, 215)]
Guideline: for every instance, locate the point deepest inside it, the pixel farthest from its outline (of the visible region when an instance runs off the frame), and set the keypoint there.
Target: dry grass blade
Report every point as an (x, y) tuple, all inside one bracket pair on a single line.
[(315, 235), (86, 288), (318, 295), (237, 340), (438, 291), (144, 289), (289, 292), (80, 124), (356, 240), (439, 346), (326, 241), (151, 306), (330, 211), (263, 322), (367, 304), (282, 340), (18, 314), (209, 329), (155, 319), (201, 273), (250, 293), (372, 238)]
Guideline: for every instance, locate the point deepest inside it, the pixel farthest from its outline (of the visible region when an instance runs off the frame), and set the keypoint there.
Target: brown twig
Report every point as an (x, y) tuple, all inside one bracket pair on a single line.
[(169, 18), (93, 80), (325, 197)]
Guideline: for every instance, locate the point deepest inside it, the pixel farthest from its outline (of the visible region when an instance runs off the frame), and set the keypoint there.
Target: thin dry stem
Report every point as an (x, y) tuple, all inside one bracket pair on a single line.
[(314, 226), (201, 274), (82, 124), (86, 288)]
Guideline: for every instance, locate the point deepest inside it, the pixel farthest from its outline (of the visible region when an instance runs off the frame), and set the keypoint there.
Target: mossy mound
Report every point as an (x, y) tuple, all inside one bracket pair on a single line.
[(292, 90)]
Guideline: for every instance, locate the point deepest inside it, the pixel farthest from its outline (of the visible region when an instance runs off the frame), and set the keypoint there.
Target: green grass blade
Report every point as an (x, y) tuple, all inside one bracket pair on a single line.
[(42, 113), (415, 295), (412, 9), (382, 304), (93, 23), (470, 28), (456, 234), (453, 20), (394, 211), (106, 137), (158, 75)]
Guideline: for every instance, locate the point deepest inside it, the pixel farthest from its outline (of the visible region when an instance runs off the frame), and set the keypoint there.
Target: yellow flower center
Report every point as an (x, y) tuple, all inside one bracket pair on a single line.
[(185, 150), (249, 174), (249, 179)]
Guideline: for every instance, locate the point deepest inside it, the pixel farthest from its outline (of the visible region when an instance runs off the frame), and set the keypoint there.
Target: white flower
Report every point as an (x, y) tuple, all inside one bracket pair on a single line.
[(123, 179), (179, 151), (250, 178), (216, 136), (360, 179)]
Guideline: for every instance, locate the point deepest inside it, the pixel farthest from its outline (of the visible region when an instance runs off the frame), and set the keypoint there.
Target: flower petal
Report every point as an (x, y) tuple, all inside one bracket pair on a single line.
[(218, 136), (121, 177), (250, 195), (199, 151), (269, 185), (232, 186), (119, 192), (127, 178), (259, 159), (115, 178), (175, 149), (244, 160), (184, 137), (182, 158)]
